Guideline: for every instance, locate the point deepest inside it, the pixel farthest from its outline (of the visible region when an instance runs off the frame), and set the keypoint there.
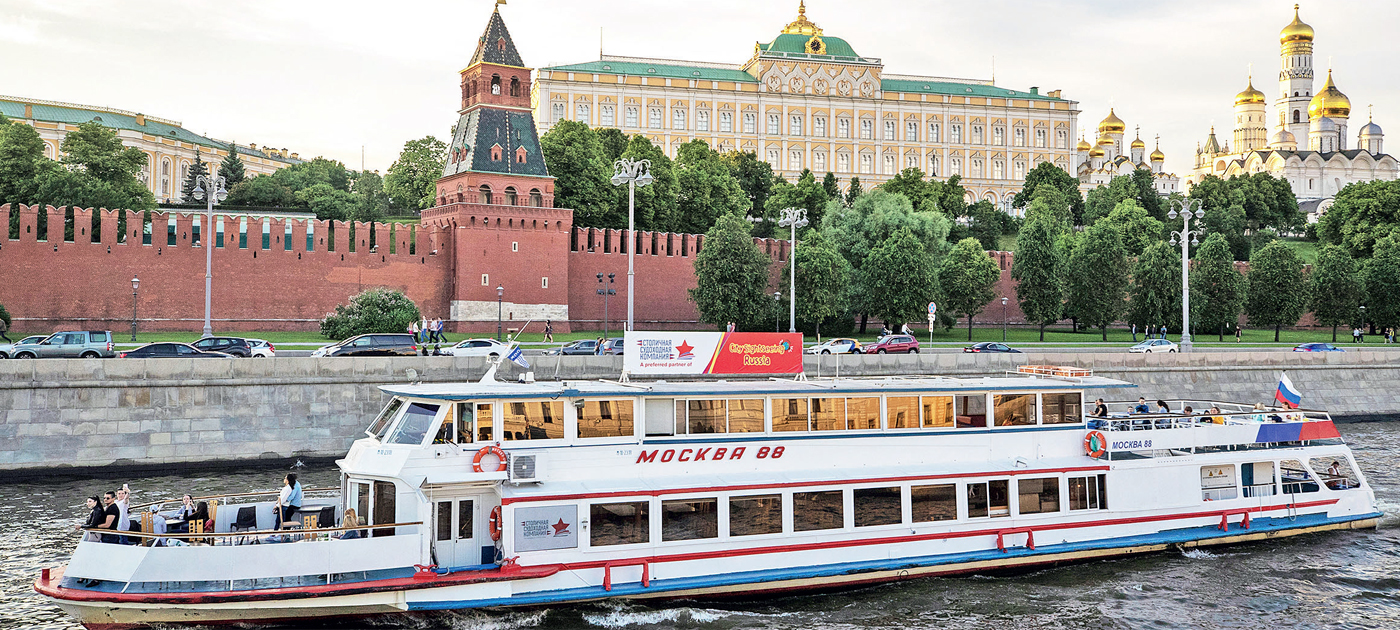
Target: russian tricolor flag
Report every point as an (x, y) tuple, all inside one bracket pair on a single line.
[(1287, 395)]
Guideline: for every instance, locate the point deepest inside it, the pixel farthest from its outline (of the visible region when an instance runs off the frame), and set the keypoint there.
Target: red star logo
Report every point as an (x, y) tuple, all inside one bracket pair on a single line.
[(560, 528), (684, 348)]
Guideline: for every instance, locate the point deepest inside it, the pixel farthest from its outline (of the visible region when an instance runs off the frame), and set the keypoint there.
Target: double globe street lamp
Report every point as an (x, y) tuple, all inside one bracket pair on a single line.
[(633, 173), (792, 218), (1183, 208), (208, 189)]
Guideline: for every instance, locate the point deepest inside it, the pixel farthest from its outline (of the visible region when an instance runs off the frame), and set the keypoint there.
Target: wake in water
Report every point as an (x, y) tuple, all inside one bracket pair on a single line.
[(619, 614)]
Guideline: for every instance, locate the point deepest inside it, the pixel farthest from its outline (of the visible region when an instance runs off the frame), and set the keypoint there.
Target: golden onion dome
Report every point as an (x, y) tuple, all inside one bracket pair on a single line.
[(1105, 141), (1329, 102), (1249, 95), (1138, 144), (1157, 155), (1083, 145), (1112, 124), (1296, 31), (1096, 152)]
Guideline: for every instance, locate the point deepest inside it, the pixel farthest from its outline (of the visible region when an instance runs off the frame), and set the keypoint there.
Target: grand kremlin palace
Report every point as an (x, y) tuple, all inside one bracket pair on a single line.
[(169, 147), (808, 101)]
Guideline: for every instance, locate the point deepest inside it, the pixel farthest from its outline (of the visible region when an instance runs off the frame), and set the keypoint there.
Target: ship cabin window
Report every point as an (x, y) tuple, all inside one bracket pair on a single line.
[(414, 425), (1014, 409), (1218, 483), (456, 425), (605, 418), (735, 415), (1088, 493), (1038, 496), (789, 414), (381, 424), (1061, 408), (485, 422), (828, 414), (878, 506), (902, 412), (863, 414), (818, 510), (1335, 470), (1295, 477), (934, 503), (1257, 479), (971, 411), (755, 515), (689, 519), (660, 416), (533, 420), (619, 523), (938, 412), (988, 499), (383, 508)]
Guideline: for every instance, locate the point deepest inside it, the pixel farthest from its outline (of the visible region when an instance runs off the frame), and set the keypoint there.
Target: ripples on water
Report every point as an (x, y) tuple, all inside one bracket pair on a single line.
[(1328, 580)]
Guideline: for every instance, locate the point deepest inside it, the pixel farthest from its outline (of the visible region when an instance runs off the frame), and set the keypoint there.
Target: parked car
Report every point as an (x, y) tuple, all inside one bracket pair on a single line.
[(372, 345), (7, 350), (262, 349), (85, 344), (612, 345), (172, 350), (1154, 345), (478, 348), (892, 344), (990, 346), (234, 346), (1317, 347), (582, 346), (836, 345)]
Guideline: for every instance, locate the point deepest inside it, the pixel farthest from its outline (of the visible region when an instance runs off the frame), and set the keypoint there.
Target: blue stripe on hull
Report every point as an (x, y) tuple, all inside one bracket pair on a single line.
[(661, 586)]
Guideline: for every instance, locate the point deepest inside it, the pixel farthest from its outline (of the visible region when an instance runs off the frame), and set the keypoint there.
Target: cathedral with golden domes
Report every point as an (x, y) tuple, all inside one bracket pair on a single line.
[(1097, 164), (1309, 144)]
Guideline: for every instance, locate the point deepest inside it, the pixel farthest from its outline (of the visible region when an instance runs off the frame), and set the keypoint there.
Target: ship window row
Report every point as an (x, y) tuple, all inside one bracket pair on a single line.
[(1258, 479), (700, 518)]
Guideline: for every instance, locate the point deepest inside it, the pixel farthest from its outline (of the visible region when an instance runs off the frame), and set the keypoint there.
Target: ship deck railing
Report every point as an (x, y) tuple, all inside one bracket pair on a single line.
[(1209, 427)]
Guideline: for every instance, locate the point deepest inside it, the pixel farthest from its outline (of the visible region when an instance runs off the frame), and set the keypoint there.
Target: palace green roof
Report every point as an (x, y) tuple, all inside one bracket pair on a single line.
[(957, 89), (794, 43), (674, 71)]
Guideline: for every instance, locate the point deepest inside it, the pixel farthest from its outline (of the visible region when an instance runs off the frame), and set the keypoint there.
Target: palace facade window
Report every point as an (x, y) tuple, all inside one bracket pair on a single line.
[(998, 136), (955, 166), (819, 161), (774, 124), (998, 170), (606, 118), (1040, 138), (1019, 137), (911, 161), (843, 162), (1061, 139), (867, 129), (795, 125), (1019, 169), (867, 163), (773, 158), (678, 119), (889, 130), (933, 165), (911, 131), (819, 126), (629, 117), (955, 132), (889, 164), (702, 120), (556, 112), (977, 134), (726, 122), (976, 170), (843, 128), (795, 160), (750, 123), (583, 113), (933, 132), (654, 118)]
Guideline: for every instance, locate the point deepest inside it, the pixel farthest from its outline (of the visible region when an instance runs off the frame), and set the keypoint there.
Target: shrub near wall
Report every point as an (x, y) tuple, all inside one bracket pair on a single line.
[(373, 311)]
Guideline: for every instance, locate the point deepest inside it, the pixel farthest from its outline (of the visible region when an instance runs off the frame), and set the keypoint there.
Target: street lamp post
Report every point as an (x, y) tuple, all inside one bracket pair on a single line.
[(634, 173), (1003, 320), (792, 218), (219, 193), (500, 295), (135, 282), (605, 292), (777, 310), (1363, 324), (1187, 237)]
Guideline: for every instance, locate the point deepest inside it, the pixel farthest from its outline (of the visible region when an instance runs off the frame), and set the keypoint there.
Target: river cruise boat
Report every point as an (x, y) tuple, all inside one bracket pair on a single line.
[(494, 495)]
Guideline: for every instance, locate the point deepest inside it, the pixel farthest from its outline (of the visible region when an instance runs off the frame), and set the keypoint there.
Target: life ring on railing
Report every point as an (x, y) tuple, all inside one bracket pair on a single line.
[(1095, 444), (495, 523), (489, 450)]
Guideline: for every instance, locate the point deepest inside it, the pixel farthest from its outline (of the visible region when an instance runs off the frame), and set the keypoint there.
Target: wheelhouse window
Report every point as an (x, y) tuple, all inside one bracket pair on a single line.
[(755, 515), (605, 418), (689, 519), (862, 414), (1295, 477), (1038, 496), (619, 523), (1088, 493), (1014, 409), (485, 422), (789, 414), (971, 411), (938, 412), (813, 511), (381, 423), (413, 427), (988, 499), (902, 412), (456, 425), (934, 503), (878, 506), (534, 420), (1061, 408)]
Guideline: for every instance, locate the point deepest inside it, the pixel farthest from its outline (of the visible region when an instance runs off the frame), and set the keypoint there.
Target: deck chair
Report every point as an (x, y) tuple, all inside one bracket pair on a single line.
[(326, 518), (246, 521), (147, 526)]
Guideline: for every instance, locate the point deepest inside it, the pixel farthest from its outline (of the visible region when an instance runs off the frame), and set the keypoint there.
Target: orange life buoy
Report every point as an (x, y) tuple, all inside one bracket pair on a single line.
[(1095, 444), (492, 450), (495, 523)]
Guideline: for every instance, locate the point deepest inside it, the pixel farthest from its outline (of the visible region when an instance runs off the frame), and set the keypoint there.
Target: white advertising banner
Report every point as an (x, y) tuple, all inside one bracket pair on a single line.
[(669, 352), (549, 527)]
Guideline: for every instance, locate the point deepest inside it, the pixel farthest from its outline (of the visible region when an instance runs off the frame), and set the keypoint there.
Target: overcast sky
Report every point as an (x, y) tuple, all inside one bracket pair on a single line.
[(323, 77)]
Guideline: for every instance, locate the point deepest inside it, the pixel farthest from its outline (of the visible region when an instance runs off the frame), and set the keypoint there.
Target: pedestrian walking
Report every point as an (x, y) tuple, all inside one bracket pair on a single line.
[(4, 328), (548, 331), (413, 330), (1134, 333), (437, 331), (1164, 332), (1356, 335), (1238, 334), (729, 327)]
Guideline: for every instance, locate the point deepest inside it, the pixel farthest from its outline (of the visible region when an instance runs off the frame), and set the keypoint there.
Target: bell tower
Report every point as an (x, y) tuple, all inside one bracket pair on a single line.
[(1295, 77)]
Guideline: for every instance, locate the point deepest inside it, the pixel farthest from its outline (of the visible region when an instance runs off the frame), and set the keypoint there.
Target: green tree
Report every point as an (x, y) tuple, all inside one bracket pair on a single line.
[(1135, 226), (411, 180), (755, 178), (1217, 288), (1052, 204), (327, 202), (99, 172), (1039, 268), (197, 170), (656, 204), (806, 194), (1156, 287), (372, 311), (731, 277), (832, 188), (1334, 287), (823, 279), (910, 183), (1098, 278), (372, 202), (901, 279), (985, 224), (262, 191), (21, 161), (1269, 202), (1380, 276), (705, 188), (1044, 174), (318, 171), (1223, 203), (614, 143), (853, 192), (231, 168), (948, 197), (582, 174), (1146, 184), (968, 278), (1361, 215)]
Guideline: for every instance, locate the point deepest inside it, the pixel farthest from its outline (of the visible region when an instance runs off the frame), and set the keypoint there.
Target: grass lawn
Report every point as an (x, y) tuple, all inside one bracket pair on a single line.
[(1307, 250)]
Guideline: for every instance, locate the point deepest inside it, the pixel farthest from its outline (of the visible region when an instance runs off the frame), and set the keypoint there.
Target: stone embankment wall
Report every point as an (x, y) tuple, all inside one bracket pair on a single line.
[(77, 413)]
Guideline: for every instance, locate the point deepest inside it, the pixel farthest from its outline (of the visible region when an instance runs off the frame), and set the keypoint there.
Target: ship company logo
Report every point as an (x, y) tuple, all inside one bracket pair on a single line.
[(664, 350), (561, 528), (685, 352)]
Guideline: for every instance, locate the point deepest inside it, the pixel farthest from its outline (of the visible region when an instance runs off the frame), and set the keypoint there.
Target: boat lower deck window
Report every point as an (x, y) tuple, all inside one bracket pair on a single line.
[(605, 418), (1335, 471), (988, 499), (1218, 483), (828, 414), (1296, 478), (1014, 409), (700, 416), (1038, 496), (746, 415), (863, 414), (534, 420), (1088, 493), (902, 412), (754, 515), (938, 412), (1257, 479), (878, 506), (689, 519), (1061, 408), (934, 503), (619, 523), (414, 425), (818, 510)]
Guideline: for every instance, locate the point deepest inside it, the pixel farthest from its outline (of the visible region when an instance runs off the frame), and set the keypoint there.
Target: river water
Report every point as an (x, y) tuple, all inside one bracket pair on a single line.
[(1330, 580)]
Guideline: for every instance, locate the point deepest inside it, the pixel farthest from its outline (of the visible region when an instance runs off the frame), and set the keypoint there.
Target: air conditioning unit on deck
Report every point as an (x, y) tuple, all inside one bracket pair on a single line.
[(525, 468)]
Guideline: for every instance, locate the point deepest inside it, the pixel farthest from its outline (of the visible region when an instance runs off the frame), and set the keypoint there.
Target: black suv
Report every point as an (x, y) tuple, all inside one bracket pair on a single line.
[(375, 345), (170, 350), (227, 345)]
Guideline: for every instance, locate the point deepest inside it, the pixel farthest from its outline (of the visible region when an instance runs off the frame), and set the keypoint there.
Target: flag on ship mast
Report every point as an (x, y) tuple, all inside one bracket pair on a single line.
[(1287, 395), (519, 358)]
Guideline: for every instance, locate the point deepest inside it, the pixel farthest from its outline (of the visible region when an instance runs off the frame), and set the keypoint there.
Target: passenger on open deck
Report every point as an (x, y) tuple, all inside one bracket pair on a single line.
[(1100, 409), (1141, 406), (112, 514), (350, 520), (1162, 407), (96, 517), (289, 500)]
